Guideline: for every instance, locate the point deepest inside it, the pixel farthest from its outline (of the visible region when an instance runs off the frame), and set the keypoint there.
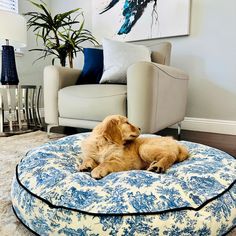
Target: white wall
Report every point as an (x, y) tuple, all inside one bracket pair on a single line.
[(208, 55)]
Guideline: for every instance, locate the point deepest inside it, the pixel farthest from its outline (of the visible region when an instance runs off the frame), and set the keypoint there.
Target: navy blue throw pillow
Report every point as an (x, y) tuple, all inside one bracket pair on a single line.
[(93, 66)]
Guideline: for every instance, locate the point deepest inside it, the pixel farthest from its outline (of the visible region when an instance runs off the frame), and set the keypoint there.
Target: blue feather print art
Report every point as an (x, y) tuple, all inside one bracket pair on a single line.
[(132, 11)]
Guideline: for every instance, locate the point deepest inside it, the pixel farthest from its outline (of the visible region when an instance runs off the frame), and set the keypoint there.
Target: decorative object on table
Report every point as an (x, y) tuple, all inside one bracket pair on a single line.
[(19, 109), (129, 20), (61, 34), (12, 32), (194, 197)]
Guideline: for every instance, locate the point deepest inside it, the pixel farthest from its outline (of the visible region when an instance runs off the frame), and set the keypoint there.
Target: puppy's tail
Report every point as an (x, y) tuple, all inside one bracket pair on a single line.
[(183, 153)]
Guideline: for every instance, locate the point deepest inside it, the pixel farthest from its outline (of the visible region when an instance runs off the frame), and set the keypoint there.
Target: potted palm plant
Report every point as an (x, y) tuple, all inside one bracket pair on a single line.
[(61, 34)]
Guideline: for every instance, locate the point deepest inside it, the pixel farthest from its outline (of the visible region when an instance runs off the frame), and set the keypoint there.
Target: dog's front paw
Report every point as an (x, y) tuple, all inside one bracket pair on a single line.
[(156, 167), (83, 168), (99, 172), (87, 166)]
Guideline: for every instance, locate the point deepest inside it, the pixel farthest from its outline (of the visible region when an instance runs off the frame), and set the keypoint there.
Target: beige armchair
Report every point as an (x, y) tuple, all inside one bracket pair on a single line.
[(153, 99)]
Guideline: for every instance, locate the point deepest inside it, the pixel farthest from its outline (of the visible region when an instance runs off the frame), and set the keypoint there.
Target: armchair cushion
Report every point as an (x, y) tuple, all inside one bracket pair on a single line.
[(92, 101), (93, 66), (118, 56)]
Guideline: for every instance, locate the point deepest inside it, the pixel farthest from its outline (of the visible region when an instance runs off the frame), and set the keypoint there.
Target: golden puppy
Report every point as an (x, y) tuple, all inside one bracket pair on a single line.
[(114, 146)]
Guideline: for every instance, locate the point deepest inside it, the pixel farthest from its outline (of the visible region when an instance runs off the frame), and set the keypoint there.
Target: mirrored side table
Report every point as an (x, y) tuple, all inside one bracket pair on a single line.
[(19, 109)]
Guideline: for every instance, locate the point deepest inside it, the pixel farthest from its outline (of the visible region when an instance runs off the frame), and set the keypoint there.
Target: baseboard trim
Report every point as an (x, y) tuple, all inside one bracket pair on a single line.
[(209, 125), (200, 124)]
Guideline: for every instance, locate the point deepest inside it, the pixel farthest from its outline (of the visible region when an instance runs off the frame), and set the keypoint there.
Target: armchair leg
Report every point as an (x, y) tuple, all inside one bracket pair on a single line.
[(49, 128), (179, 130)]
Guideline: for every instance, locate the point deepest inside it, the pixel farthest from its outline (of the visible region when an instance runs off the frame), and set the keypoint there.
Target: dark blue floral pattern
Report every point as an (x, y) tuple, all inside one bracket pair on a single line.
[(125, 203)]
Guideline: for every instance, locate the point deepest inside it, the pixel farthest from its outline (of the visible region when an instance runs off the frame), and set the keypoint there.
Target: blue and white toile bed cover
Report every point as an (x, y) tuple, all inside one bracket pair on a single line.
[(195, 197)]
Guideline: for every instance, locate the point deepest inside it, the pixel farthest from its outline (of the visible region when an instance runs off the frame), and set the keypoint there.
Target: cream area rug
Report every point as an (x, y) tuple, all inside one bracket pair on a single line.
[(12, 149)]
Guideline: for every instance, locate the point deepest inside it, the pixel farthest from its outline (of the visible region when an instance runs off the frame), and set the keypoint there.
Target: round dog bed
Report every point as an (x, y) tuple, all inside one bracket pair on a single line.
[(194, 197)]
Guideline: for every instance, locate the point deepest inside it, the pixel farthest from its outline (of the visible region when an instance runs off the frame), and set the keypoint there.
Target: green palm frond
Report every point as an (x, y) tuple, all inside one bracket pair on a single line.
[(61, 34)]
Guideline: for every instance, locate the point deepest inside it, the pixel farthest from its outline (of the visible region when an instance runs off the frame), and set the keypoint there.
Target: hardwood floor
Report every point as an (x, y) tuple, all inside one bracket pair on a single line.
[(223, 142)]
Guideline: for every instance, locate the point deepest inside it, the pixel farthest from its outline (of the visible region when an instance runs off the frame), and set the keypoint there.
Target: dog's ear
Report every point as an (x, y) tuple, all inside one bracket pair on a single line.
[(112, 132)]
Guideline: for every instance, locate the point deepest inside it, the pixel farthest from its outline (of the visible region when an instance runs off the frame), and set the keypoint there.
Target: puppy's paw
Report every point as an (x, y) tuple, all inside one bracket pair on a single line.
[(99, 172), (156, 167), (83, 168), (86, 167)]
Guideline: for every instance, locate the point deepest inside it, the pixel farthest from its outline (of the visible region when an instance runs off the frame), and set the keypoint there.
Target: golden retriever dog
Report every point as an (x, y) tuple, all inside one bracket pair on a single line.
[(114, 146)]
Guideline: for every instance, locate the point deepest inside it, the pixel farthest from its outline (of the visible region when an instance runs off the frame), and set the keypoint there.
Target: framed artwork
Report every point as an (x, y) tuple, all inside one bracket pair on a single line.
[(131, 20)]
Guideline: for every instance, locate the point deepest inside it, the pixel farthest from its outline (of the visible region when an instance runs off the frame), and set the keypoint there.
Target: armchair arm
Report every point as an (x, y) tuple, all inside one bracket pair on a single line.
[(156, 95), (54, 79)]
